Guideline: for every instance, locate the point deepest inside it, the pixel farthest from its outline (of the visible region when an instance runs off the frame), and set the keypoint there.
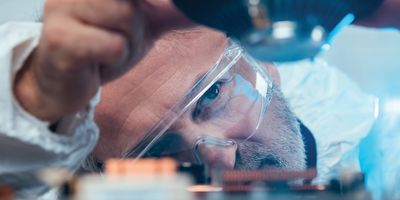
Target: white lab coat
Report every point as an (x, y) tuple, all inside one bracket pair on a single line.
[(334, 108), (26, 143)]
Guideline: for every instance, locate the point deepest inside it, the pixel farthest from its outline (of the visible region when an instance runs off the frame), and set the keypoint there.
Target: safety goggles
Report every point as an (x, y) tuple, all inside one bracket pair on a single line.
[(224, 108)]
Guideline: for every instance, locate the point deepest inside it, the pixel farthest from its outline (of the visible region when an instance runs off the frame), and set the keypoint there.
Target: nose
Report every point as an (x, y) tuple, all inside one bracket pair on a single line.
[(216, 153)]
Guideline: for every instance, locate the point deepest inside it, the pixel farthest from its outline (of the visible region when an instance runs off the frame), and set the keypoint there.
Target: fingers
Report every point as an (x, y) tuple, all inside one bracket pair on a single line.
[(80, 44), (83, 44), (109, 14)]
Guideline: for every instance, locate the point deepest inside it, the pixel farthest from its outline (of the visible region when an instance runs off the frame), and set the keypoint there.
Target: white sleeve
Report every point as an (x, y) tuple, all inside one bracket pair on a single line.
[(334, 108), (26, 143)]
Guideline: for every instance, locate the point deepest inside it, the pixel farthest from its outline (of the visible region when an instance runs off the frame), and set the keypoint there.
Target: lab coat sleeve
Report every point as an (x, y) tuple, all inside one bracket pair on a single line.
[(26, 144), (334, 108)]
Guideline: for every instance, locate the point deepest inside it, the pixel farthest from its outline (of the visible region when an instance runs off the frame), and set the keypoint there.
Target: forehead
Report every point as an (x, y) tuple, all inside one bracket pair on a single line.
[(131, 105)]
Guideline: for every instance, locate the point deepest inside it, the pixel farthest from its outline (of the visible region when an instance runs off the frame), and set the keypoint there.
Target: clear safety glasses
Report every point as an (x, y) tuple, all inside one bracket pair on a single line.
[(224, 108)]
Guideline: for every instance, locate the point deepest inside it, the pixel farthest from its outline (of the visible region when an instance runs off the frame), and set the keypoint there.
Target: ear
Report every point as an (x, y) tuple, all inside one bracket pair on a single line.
[(273, 72)]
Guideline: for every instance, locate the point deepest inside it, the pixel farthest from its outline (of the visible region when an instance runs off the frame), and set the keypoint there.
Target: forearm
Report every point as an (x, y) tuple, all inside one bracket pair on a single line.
[(387, 15)]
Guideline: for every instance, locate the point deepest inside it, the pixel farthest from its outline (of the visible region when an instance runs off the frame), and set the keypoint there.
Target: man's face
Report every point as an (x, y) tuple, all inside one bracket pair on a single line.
[(131, 106)]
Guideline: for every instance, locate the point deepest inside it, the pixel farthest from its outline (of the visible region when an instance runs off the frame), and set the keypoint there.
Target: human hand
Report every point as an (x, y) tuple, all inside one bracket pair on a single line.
[(87, 43)]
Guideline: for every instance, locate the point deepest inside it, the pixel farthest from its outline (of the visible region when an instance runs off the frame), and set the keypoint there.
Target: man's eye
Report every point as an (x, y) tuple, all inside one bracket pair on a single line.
[(212, 93), (207, 99)]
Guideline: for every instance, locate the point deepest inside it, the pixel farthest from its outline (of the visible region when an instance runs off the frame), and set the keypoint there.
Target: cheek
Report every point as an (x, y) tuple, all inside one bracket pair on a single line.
[(240, 121), (247, 119)]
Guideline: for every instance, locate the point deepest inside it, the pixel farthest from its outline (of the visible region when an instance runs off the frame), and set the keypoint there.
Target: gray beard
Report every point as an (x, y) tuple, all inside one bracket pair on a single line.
[(286, 153)]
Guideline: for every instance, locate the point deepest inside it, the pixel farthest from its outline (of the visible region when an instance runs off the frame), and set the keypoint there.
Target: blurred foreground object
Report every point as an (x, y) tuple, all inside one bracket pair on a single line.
[(379, 157), (279, 30), (6, 193), (138, 179), (129, 167)]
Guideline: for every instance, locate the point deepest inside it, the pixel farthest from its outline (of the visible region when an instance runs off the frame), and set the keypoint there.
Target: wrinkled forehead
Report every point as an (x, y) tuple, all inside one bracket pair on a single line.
[(139, 99), (179, 60)]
